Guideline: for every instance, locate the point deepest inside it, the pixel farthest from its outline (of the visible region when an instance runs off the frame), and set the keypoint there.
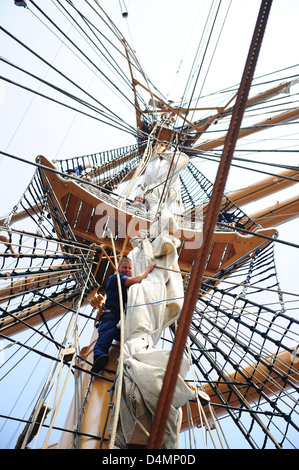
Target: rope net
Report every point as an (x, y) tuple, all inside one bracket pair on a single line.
[(242, 327), (241, 335)]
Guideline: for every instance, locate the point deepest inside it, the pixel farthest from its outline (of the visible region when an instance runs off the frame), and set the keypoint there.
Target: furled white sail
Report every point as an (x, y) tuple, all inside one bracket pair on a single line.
[(152, 306)]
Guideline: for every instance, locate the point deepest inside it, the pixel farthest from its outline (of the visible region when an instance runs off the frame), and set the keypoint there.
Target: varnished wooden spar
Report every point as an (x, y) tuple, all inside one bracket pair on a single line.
[(98, 405), (278, 213), (264, 188), (31, 282), (261, 189), (267, 124), (272, 373), (90, 215), (31, 315), (90, 212)]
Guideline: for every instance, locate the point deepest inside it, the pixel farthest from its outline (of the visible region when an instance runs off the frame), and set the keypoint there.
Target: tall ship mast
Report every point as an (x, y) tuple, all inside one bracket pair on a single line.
[(208, 353)]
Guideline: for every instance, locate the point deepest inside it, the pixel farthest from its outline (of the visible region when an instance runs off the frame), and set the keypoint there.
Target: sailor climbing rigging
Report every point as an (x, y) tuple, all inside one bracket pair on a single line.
[(108, 329)]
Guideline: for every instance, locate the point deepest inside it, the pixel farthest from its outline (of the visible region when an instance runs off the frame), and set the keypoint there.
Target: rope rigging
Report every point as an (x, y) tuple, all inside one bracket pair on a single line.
[(230, 330), (215, 158), (70, 81)]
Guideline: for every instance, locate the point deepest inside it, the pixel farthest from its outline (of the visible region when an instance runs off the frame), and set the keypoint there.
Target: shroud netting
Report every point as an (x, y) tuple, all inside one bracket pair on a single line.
[(240, 321)]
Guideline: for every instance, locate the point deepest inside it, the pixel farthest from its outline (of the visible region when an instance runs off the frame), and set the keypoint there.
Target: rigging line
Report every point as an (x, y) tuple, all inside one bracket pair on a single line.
[(199, 405), (88, 66), (211, 158), (229, 304), (53, 170), (216, 420), (67, 94), (275, 79), (268, 113), (272, 103), (70, 233), (121, 356), (248, 303), (203, 291), (40, 275), (47, 256), (70, 49), (235, 332), (43, 269), (204, 54), (29, 377), (76, 439), (282, 150), (264, 126), (211, 60), (29, 290), (241, 349), (197, 78), (90, 25), (57, 402), (52, 340), (265, 237), (241, 284), (65, 105), (116, 32), (254, 286), (188, 43), (233, 88), (21, 345), (260, 362), (233, 389), (59, 72), (129, 51), (277, 165), (60, 359), (40, 419), (57, 428), (52, 240), (76, 47), (244, 383), (49, 356), (174, 362), (59, 304), (123, 76), (32, 349), (267, 381), (266, 413), (75, 332), (19, 124)]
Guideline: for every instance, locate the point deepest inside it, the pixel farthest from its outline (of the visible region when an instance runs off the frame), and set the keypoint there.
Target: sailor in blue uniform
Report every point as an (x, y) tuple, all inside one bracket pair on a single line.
[(108, 330)]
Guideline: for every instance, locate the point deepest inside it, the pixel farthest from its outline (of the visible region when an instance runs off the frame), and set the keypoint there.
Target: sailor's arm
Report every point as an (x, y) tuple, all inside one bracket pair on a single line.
[(137, 279)]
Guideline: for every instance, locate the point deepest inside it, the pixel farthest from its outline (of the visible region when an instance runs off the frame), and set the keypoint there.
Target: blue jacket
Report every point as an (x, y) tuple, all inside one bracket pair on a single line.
[(112, 297)]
